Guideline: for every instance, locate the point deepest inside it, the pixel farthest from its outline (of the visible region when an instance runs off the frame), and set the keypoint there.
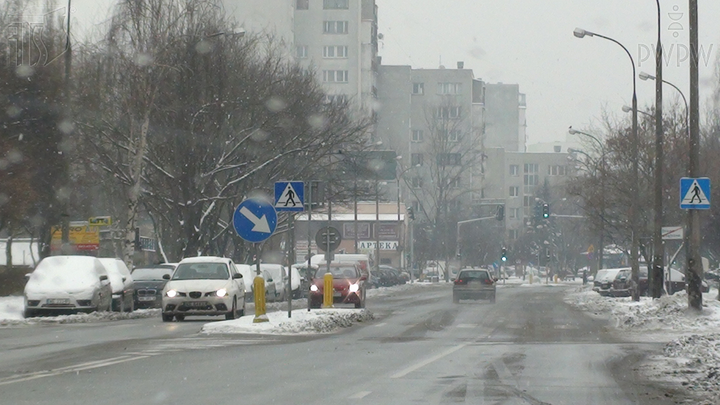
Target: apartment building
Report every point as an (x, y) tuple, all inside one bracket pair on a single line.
[(515, 179), (335, 39)]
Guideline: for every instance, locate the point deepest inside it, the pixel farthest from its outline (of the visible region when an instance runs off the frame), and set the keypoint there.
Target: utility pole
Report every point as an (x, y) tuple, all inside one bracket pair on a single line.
[(656, 278), (694, 269)]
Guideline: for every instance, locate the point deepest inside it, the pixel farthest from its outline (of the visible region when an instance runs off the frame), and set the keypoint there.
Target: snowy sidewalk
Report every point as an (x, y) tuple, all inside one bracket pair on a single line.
[(691, 356)]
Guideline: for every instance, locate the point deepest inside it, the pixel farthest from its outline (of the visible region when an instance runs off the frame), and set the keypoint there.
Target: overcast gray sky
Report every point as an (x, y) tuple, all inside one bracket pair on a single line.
[(568, 81)]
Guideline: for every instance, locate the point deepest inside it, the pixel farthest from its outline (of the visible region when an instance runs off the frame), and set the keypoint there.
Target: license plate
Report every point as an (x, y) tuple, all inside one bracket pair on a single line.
[(58, 300), (197, 304), (475, 283), (337, 294), (146, 298)]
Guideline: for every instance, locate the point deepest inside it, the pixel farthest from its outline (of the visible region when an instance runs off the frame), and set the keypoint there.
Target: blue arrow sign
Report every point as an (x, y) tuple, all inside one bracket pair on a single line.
[(695, 193), (255, 220), (290, 196)]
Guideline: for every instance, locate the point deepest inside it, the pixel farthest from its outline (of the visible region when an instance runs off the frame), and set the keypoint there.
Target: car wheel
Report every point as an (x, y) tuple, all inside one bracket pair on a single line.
[(167, 317), (180, 318), (115, 305), (242, 310), (231, 315)]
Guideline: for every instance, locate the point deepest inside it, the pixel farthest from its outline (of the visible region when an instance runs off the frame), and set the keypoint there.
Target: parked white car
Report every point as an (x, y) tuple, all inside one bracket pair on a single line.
[(67, 283), (121, 282), (278, 275), (204, 286)]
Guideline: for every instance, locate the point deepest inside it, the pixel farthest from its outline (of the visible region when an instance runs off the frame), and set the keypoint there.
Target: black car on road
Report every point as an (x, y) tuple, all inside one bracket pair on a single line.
[(149, 283)]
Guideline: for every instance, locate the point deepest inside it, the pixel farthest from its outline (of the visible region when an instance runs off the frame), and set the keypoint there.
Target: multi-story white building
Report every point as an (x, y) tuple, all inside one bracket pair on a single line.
[(446, 117), (337, 39)]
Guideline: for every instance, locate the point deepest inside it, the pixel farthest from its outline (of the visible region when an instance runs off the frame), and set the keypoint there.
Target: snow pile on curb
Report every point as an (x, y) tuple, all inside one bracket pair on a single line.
[(692, 362), (302, 322), (11, 313), (385, 291), (669, 313), (84, 318)]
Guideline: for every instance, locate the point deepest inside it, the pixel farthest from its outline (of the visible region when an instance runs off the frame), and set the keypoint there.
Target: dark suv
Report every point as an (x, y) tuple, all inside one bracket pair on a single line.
[(474, 284)]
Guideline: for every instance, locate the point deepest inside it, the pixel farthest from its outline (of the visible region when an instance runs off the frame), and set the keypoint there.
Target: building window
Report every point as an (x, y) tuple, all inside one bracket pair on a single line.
[(336, 98), (335, 52), (417, 182), (302, 4), (557, 170), (448, 112), (528, 201), (448, 159), (417, 207), (335, 27), (416, 159), (531, 168), (514, 213), (335, 76), (449, 88), (557, 148), (418, 135), (418, 88), (513, 234), (336, 4), (514, 191), (302, 51), (514, 170), (454, 136)]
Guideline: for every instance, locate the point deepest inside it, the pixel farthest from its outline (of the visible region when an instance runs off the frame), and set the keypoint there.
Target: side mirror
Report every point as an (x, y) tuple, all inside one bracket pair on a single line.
[(166, 277), (124, 279), (103, 277), (269, 280), (27, 276), (237, 276)]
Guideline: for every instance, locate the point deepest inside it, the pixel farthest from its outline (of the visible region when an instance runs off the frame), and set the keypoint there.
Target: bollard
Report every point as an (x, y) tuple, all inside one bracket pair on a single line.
[(556, 279), (259, 297), (328, 291), (530, 277)]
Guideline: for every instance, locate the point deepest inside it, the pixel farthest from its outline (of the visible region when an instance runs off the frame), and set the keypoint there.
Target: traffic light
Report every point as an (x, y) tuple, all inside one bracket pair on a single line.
[(500, 214), (411, 213), (546, 211), (503, 255)]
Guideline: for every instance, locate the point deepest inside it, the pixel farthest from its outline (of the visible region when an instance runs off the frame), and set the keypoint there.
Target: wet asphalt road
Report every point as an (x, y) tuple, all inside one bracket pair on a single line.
[(528, 348)]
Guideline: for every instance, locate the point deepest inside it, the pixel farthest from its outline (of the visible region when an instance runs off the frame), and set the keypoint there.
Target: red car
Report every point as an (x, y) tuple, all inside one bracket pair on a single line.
[(348, 285)]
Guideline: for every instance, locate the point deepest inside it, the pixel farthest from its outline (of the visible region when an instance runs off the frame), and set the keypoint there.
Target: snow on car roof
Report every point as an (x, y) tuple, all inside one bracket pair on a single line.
[(204, 259)]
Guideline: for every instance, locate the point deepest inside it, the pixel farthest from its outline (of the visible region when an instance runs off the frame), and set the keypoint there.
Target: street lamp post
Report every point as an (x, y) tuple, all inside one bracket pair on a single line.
[(656, 277), (646, 76), (634, 198), (601, 248), (694, 269)]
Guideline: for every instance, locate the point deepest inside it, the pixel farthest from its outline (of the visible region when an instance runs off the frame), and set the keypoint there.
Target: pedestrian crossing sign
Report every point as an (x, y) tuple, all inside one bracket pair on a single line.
[(695, 193), (290, 196)]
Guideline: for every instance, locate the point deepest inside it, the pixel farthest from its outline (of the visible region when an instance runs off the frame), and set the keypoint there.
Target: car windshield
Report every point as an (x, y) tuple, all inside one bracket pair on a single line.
[(337, 272), (563, 153), (151, 274), (201, 271)]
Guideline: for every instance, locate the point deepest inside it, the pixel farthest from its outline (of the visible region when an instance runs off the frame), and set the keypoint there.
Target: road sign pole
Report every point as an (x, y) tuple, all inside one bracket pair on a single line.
[(328, 251), (309, 250), (694, 269), (291, 253)]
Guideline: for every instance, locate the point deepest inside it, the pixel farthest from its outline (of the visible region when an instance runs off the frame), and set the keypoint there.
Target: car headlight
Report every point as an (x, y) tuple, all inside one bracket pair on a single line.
[(354, 288), (221, 292), (314, 288), (171, 293)]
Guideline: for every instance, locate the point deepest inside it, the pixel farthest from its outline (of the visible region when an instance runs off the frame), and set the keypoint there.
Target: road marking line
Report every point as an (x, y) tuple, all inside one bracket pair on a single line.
[(380, 324), (425, 362), (360, 395), (71, 369)]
